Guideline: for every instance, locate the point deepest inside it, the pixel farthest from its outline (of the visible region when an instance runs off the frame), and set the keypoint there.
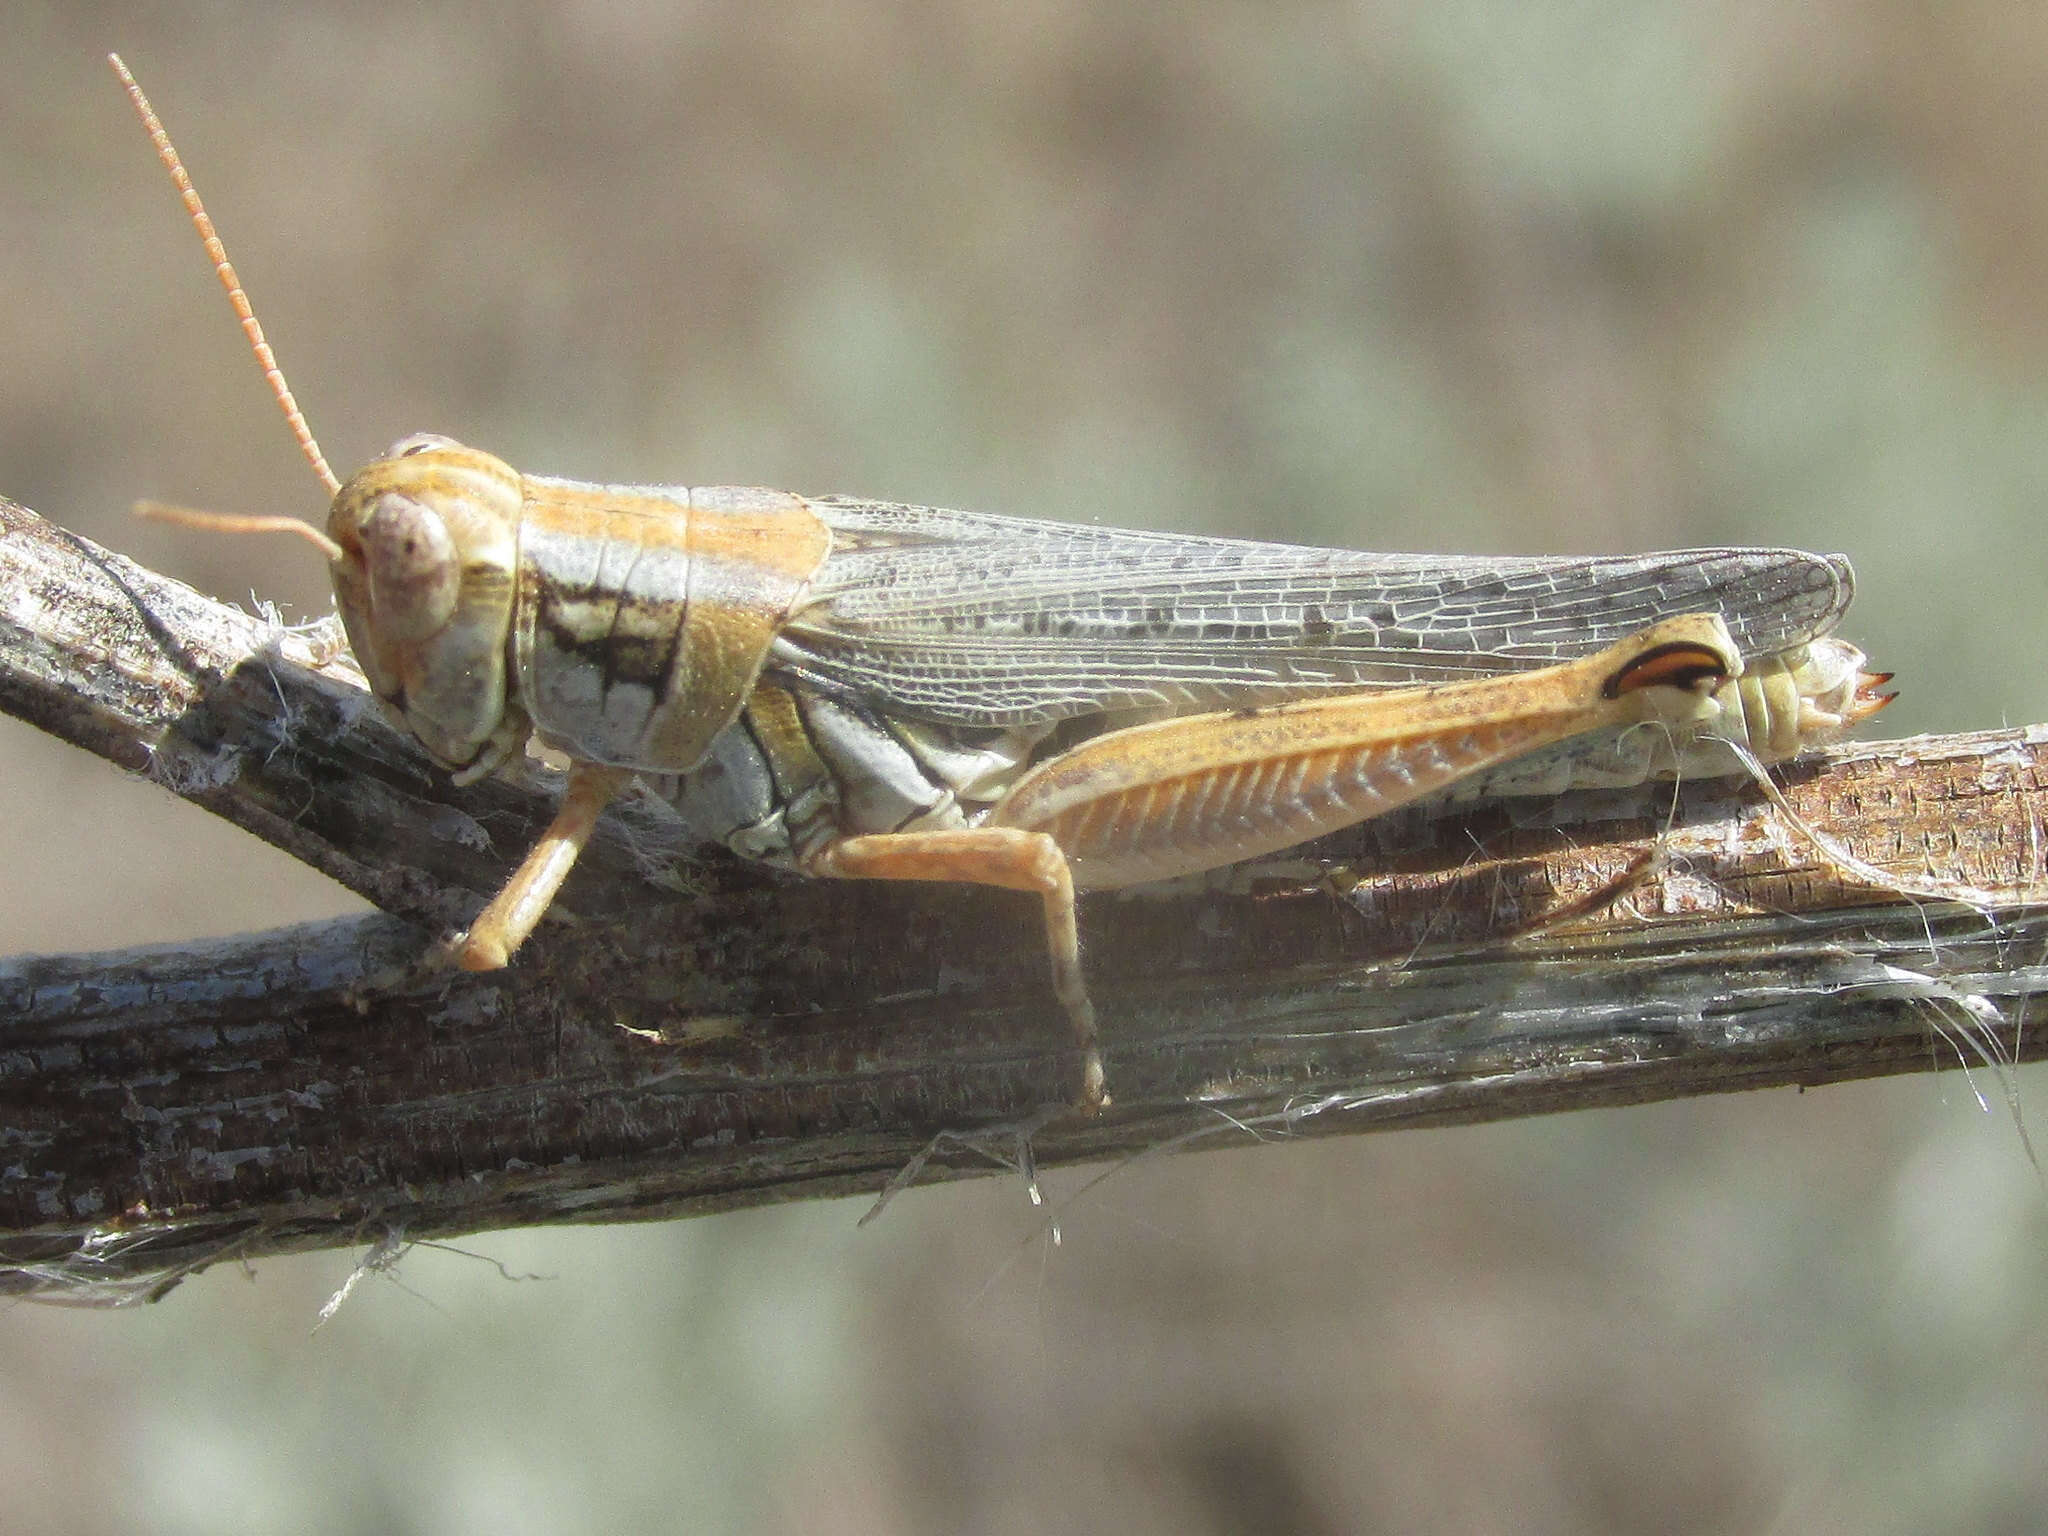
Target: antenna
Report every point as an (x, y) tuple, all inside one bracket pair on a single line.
[(239, 522), (225, 271)]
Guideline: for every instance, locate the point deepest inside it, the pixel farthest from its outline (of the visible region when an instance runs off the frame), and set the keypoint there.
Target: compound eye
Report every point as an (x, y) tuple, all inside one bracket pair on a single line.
[(419, 442), (413, 567)]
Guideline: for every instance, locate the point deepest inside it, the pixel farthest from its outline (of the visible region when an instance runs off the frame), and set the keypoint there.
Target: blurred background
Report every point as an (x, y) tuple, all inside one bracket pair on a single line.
[(1465, 275)]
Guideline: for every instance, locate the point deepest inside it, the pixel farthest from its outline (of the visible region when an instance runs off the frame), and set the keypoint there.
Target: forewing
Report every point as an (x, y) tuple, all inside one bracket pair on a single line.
[(980, 620)]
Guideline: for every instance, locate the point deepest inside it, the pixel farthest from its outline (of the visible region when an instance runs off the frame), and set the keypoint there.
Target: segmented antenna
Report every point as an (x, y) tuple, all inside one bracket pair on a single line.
[(225, 271), (238, 522)]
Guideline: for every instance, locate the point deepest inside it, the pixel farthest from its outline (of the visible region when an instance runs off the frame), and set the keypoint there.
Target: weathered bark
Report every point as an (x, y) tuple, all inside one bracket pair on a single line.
[(704, 1035)]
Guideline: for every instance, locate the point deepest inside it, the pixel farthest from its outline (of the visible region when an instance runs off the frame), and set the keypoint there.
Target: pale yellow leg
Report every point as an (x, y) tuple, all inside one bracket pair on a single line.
[(1008, 857), (504, 925)]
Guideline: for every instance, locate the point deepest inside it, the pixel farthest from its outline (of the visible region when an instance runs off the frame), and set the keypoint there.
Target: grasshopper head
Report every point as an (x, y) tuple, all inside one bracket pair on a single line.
[(429, 541)]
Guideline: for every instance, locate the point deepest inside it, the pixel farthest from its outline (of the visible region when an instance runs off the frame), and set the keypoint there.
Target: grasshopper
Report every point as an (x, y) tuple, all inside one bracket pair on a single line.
[(865, 690)]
